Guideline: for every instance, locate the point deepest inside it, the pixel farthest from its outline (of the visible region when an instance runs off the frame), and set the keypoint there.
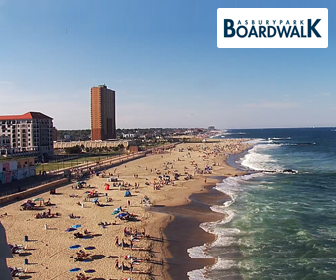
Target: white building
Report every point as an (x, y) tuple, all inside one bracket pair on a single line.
[(28, 135), (128, 135)]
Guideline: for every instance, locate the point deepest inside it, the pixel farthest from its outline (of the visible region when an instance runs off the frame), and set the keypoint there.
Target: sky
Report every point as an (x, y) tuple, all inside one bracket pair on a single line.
[(161, 58)]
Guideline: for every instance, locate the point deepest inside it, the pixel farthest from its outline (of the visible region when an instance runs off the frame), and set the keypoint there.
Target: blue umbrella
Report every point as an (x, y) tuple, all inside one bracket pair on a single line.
[(95, 200), (74, 269), (76, 226), (90, 271), (70, 229), (89, 248), (74, 247)]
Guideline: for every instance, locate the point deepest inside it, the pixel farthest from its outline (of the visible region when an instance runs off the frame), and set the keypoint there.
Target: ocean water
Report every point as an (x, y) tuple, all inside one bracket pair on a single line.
[(278, 225)]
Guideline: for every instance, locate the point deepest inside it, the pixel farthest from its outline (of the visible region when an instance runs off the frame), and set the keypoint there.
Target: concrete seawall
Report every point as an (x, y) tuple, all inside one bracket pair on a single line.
[(32, 191)]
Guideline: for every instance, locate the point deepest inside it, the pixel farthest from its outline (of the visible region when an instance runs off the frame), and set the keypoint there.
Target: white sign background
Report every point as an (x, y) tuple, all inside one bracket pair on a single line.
[(271, 14)]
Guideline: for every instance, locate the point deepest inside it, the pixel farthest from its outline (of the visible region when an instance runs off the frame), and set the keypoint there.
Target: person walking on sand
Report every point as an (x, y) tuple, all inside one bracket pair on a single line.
[(128, 203)]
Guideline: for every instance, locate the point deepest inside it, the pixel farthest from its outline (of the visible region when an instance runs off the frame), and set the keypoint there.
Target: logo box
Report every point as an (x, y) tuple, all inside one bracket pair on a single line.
[(272, 28)]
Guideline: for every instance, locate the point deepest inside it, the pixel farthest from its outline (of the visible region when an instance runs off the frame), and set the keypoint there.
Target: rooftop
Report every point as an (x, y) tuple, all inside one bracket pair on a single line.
[(26, 116)]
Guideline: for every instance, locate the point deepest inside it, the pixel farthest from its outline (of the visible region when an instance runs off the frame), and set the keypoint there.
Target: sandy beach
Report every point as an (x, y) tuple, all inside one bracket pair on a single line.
[(166, 226)]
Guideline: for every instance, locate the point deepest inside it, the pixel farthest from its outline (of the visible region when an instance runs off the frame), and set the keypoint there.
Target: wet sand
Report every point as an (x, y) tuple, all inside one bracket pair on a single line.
[(183, 231)]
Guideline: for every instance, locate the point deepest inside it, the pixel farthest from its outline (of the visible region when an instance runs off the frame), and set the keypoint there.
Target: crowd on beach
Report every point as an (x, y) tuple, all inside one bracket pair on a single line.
[(143, 182)]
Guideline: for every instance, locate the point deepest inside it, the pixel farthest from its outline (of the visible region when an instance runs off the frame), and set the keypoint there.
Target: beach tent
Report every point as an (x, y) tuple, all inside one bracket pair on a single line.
[(127, 194), (121, 215), (107, 187), (76, 226)]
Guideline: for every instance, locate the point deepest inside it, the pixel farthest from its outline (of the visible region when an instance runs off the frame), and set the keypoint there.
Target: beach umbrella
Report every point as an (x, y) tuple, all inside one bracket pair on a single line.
[(38, 199), (89, 248), (74, 269), (76, 226), (95, 200), (74, 247)]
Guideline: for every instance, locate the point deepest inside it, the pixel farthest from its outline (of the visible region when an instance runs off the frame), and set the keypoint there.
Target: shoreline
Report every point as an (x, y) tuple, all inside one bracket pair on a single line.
[(182, 221)]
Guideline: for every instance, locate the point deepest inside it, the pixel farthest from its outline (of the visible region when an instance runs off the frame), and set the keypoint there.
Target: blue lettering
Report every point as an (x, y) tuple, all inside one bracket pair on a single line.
[(301, 22), (246, 22), (228, 25), (284, 31), (302, 32), (269, 35), (239, 22), (242, 27), (262, 30), (253, 32), (312, 28), (295, 32), (287, 22)]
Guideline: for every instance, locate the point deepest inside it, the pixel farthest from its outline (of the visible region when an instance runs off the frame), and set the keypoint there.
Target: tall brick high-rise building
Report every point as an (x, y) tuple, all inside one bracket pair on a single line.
[(103, 123)]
